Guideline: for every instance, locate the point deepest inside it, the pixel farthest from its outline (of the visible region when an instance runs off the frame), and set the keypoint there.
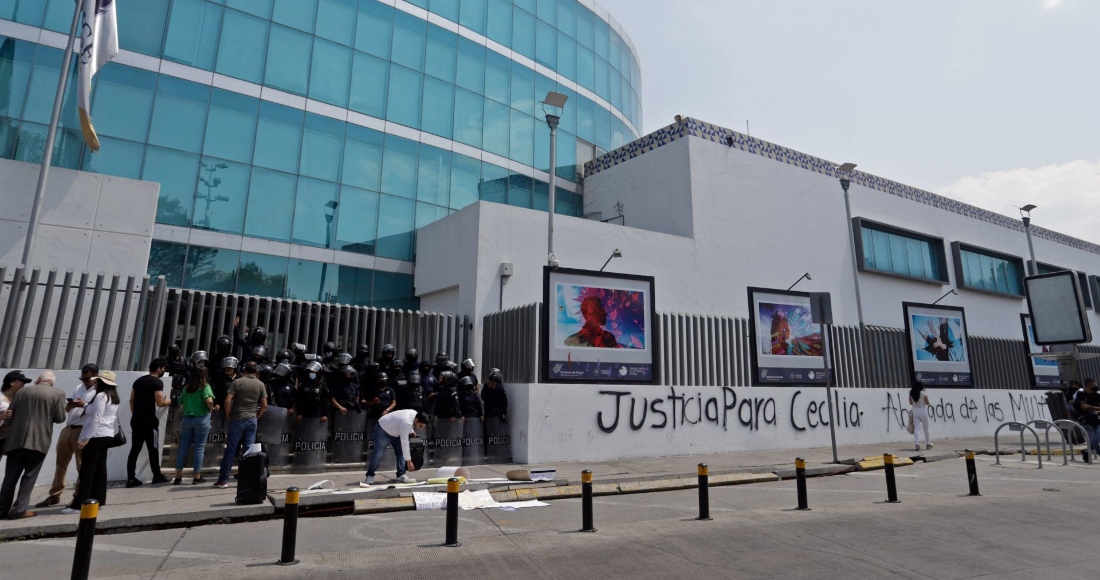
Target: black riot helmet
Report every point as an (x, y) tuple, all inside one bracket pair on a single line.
[(389, 351), (223, 345), (382, 379), (441, 358), (343, 359), (451, 366), (284, 355), (411, 356), (259, 352), (230, 362), (447, 378), (174, 351), (329, 350), (199, 358), (468, 365), (414, 377), (258, 336), (466, 384), (298, 349), (496, 375), (348, 371), (267, 372), (363, 350), (282, 370), (313, 367)]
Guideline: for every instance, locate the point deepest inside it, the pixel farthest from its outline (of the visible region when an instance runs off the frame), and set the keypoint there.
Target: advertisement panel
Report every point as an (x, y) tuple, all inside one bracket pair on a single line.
[(1044, 373), (787, 346), (939, 348), (598, 327)]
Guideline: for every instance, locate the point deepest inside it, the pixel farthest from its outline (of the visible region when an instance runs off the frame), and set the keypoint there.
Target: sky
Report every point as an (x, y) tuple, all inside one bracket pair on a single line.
[(991, 102)]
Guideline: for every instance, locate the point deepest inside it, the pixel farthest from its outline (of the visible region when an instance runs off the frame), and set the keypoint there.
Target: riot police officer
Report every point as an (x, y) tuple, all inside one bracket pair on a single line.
[(282, 386), (381, 398), (362, 357), (312, 400), (413, 397), (468, 401), (179, 368), (411, 361), (284, 356), (329, 352), (299, 351), (220, 381), (446, 400), (223, 347), (442, 363), (467, 370), (495, 397), (386, 361), (344, 392), (259, 355)]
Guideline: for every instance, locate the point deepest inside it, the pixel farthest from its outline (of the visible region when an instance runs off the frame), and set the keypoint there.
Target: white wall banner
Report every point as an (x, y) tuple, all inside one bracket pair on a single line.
[(787, 346), (939, 347)]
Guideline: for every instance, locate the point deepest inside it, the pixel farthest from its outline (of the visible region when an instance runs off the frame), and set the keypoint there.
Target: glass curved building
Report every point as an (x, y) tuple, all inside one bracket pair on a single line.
[(298, 144)]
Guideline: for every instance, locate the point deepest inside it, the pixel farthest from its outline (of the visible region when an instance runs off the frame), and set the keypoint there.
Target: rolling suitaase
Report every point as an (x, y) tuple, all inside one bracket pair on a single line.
[(252, 479)]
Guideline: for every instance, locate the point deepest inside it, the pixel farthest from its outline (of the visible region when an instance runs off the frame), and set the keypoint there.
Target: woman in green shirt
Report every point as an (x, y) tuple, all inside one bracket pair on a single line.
[(196, 403)]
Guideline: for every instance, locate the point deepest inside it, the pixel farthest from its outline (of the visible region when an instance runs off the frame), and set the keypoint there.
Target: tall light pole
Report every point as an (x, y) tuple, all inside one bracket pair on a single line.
[(330, 213), (555, 101), (210, 182), (1025, 214), (845, 182)]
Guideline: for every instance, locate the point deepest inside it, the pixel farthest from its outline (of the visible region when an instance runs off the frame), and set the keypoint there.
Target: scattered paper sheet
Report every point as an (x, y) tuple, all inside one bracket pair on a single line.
[(469, 500)]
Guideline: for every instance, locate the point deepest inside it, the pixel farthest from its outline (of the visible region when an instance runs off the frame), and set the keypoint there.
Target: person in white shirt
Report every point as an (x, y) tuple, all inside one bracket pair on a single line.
[(100, 419), (66, 447), (393, 429), (918, 398)]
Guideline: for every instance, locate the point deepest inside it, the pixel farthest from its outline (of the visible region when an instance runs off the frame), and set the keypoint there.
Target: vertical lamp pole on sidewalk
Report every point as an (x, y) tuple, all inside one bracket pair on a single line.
[(555, 101), (1025, 214)]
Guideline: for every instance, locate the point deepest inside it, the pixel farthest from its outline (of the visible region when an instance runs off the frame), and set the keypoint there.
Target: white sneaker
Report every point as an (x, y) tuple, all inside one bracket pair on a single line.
[(405, 479), (369, 481), (929, 446), (69, 511)]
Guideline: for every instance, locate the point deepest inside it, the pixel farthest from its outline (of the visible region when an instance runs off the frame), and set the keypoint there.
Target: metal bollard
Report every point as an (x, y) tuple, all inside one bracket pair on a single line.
[(704, 492), (972, 472), (891, 486), (586, 501), (290, 527), (85, 535), (800, 477), (452, 513)]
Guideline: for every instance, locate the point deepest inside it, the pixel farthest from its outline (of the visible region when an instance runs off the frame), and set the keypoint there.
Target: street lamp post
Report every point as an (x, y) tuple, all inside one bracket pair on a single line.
[(1025, 214), (330, 213), (845, 182), (555, 101)]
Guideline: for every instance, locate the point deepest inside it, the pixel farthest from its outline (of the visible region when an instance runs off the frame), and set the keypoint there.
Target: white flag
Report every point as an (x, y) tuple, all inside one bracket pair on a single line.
[(98, 45)]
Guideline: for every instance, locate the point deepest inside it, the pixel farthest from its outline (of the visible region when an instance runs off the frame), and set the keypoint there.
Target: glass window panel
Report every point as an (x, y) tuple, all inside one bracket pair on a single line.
[(179, 115), (913, 265), (445, 8), (567, 155), (586, 120), (357, 221), (898, 260), (494, 183), (167, 259), (124, 102), (322, 147), (395, 227), (602, 85), (499, 23), (231, 126), (304, 280), (546, 48), (567, 17), (353, 286), (58, 18), (427, 213), (295, 13), (261, 8), (409, 34), (262, 275), (547, 10), (222, 195), (603, 128), (471, 66), (242, 47), (177, 173), (882, 250), (868, 248), (972, 269), (522, 142), (15, 62), (498, 73), (603, 39), (9, 133), (586, 27), (586, 67), (542, 145), (465, 179), (988, 279), (434, 175), (472, 15), (438, 110), (374, 27), (1012, 273), (336, 20), (523, 89), (392, 290), (29, 13), (278, 137), (43, 90), (616, 55), (523, 33), (140, 25), (399, 167), (616, 99), (540, 197), (440, 56), (369, 78), (270, 205), (363, 158), (193, 29), (288, 54), (315, 213), (519, 190), (497, 122), (116, 157), (330, 73), (567, 56), (403, 102), (528, 5), (469, 117), (31, 144), (211, 269)]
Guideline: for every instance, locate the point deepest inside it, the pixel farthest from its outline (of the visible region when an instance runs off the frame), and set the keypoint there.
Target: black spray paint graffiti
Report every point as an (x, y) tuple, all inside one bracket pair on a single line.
[(1023, 408)]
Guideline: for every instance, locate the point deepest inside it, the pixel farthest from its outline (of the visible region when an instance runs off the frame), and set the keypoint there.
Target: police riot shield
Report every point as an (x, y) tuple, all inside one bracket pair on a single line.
[(389, 458), (498, 441), (447, 443), (215, 440), (349, 436), (473, 441), (310, 445), (172, 435), (273, 431)]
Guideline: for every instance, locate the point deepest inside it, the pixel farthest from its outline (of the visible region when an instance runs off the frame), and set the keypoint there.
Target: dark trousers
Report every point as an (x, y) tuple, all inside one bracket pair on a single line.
[(92, 483), (23, 466), (146, 435)]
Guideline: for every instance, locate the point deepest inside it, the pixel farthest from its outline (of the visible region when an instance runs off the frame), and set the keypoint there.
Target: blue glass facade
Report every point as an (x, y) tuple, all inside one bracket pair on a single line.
[(379, 126)]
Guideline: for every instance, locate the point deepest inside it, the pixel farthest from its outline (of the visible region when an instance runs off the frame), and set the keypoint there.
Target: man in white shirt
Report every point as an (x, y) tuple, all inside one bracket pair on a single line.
[(67, 447), (393, 429)]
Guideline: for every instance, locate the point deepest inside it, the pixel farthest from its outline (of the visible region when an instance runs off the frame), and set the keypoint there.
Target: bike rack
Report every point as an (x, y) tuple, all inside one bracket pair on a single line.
[(1023, 449), (1039, 424), (1074, 425)]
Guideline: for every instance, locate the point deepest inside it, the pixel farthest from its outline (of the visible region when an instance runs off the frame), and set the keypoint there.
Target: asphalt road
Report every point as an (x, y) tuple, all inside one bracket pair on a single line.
[(1028, 523)]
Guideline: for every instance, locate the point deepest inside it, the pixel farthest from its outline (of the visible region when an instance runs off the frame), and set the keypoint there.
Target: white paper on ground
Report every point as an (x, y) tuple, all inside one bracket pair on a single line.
[(512, 506), (429, 500), (320, 487), (469, 500)]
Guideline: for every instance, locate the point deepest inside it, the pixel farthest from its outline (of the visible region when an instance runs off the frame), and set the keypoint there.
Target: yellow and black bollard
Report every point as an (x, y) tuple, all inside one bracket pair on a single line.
[(586, 501), (452, 513), (85, 536), (290, 527), (972, 472), (891, 485), (800, 479), (704, 492)]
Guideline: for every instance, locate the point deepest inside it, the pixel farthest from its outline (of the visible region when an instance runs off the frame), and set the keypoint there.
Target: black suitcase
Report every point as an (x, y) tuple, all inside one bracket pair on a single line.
[(252, 479)]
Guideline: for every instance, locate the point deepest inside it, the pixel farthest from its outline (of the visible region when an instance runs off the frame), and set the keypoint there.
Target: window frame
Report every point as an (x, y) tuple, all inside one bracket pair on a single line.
[(960, 279), (858, 223)]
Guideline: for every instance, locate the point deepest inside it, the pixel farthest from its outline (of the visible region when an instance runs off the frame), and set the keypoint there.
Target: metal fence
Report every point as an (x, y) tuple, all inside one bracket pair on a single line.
[(62, 321), (510, 342)]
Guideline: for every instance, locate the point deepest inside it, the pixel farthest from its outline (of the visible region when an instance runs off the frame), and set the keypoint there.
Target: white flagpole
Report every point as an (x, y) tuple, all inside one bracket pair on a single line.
[(51, 135)]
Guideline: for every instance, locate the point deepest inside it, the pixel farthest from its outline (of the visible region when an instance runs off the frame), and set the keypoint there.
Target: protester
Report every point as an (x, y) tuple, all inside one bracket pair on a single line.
[(34, 410), (196, 403), (1088, 411), (67, 448), (245, 403), (12, 384), (918, 398), (100, 426), (393, 430), (145, 398)]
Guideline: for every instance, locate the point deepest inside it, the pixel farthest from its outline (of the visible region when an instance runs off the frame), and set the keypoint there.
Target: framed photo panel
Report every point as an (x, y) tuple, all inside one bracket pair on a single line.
[(786, 345), (939, 348), (1044, 373)]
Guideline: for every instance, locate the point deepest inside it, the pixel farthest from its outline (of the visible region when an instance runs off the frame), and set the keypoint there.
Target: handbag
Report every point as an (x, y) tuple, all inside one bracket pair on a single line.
[(909, 426)]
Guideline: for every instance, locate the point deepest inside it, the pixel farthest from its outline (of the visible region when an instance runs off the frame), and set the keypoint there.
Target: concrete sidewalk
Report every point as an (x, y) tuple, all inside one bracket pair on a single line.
[(166, 505)]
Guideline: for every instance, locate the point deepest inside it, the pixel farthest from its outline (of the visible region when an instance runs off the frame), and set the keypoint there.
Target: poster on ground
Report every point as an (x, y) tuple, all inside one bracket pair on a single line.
[(939, 348), (787, 346), (1044, 373), (598, 327)]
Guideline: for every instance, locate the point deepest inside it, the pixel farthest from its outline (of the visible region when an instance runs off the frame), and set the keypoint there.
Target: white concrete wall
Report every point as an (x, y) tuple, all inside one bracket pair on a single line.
[(552, 423), (88, 221)]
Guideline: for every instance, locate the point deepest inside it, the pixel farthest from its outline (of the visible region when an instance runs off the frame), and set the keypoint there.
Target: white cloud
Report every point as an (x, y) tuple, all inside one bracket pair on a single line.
[(1052, 4), (1067, 195)]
